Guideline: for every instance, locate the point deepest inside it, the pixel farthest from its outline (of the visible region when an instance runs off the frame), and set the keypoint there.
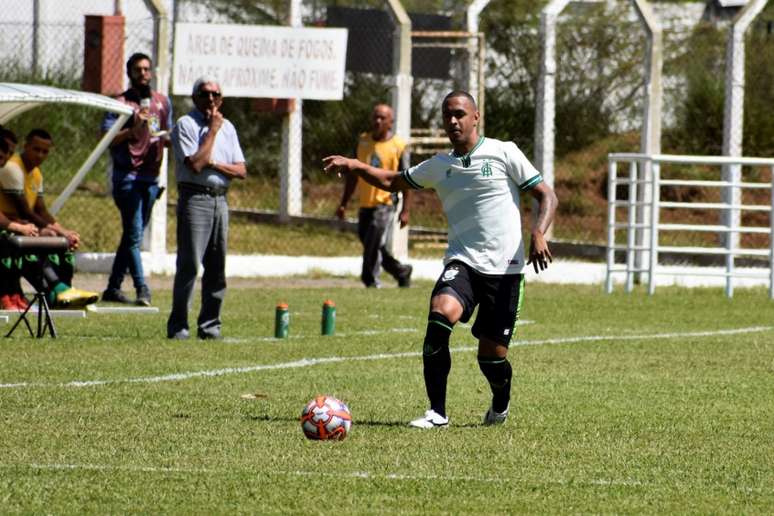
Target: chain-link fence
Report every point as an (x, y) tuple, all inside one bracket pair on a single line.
[(333, 127), (601, 55), (42, 43)]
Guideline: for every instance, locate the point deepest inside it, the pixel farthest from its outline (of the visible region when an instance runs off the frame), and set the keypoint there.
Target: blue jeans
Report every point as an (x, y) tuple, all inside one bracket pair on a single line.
[(134, 200)]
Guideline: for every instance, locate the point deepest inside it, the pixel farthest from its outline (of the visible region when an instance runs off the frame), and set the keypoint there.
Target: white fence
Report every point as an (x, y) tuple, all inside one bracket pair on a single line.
[(642, 208)]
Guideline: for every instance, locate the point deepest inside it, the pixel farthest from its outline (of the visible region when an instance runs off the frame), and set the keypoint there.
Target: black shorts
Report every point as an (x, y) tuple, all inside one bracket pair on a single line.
[(6, 249), (498, 299)]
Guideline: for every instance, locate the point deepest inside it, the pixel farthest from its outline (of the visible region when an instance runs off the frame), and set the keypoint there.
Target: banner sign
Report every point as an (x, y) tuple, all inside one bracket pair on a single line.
[(261, 61)]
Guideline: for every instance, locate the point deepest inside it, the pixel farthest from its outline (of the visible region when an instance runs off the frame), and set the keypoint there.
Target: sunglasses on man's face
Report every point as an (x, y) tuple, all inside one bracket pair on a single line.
[(207, 94)]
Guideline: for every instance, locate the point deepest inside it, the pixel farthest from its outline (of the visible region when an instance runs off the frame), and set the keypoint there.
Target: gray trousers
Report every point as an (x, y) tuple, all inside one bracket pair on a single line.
[(202, 233), (373, 225)]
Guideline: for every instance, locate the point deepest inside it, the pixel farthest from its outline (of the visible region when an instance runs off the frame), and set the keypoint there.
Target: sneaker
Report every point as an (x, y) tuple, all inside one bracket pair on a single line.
[(20, 300), (431, 419), (143, 296), (208, 336), (114, 295), (179, 335), (7, 302), (404, 280), (496, 418), (75, 298)]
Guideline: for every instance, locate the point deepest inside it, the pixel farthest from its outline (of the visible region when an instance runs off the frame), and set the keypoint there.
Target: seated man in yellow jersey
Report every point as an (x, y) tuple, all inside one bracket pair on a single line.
[(11, 297), (381, 149), (21, 199)]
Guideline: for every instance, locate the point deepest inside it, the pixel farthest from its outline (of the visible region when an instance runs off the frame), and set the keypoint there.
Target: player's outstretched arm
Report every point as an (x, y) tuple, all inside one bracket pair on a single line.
[(389, 180), (539, 253)]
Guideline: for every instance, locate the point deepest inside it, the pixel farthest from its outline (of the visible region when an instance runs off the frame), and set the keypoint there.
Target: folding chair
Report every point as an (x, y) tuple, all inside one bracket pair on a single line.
[(37, 245)]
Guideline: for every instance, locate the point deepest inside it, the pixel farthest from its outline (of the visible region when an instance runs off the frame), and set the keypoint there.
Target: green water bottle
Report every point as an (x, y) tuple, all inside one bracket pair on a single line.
[(328, 317), (281, 321)]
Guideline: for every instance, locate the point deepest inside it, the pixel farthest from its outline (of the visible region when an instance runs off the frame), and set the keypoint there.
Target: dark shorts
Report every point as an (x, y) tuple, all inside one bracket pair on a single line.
[(7, 252), (498, 299)]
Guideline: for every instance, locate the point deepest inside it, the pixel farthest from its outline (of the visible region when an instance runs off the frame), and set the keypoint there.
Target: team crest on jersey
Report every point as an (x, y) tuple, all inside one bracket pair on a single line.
[(486, 169), (450, 274)]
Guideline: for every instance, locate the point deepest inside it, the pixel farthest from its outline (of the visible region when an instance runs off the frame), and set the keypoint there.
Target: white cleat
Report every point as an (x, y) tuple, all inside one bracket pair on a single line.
[(431, 419), (496, 418)]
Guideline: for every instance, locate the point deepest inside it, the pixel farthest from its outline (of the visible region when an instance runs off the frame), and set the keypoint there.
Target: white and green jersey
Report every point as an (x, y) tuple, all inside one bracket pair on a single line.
[(480, 196)]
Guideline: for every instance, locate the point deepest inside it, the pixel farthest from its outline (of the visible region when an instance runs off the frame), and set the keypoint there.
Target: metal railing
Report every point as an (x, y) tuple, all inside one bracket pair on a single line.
[(643, 226)]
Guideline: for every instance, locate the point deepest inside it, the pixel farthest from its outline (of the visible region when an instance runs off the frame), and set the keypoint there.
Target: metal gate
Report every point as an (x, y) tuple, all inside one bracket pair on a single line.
[(664, 172)]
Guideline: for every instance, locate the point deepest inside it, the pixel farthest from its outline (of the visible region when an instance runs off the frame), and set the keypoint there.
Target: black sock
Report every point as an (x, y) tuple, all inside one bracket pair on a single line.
[(437, 360), (32, 270), (7, 275), (498, 373)]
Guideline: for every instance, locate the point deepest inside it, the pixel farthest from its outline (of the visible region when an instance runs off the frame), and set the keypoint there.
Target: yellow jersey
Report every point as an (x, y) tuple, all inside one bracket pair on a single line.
[(15, 179), (385, 154)]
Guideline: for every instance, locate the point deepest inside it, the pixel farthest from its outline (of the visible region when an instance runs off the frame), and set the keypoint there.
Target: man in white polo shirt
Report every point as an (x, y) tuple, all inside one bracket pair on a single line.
[(479, 184), (208, 157)]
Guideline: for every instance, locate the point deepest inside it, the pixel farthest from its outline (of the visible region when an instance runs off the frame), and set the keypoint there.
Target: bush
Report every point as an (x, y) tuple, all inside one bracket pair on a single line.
[(598, 80), (699, 127)]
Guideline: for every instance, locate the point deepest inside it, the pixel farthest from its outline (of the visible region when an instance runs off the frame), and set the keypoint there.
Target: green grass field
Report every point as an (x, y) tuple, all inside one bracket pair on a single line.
[(621, 404)]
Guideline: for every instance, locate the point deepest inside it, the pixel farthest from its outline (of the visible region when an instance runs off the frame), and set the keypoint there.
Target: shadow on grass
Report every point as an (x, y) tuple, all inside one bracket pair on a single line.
[(358, 422)]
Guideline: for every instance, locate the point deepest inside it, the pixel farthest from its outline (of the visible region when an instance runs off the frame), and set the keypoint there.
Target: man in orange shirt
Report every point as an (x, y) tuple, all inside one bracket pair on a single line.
[(382, 149)]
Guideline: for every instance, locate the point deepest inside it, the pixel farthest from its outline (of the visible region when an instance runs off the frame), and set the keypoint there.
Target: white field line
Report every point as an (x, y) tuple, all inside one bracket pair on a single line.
[(308, 362), (232, 340), (452, 478), (365, 475)]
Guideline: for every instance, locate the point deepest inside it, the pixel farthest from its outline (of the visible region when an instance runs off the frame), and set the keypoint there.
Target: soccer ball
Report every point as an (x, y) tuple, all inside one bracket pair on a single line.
[(326, 418)]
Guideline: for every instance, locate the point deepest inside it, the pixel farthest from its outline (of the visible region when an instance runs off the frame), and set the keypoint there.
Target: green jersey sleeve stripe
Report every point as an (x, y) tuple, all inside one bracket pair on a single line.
[(410, 181), (531, 183)]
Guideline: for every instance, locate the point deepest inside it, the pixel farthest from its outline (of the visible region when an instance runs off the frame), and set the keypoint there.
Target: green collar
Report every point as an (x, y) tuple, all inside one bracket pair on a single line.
[(466, 158)]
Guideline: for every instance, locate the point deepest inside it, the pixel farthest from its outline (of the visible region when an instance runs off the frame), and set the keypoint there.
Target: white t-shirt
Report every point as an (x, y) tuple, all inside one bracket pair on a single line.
[(480, 196)]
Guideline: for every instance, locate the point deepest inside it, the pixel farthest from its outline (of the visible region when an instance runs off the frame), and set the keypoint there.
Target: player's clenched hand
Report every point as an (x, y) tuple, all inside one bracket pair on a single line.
[(337, 164), (539, 254), (73, 239), (24, 228)]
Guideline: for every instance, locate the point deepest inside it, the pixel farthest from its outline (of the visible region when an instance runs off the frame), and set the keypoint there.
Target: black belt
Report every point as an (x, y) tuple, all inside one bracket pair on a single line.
[(193, 188)]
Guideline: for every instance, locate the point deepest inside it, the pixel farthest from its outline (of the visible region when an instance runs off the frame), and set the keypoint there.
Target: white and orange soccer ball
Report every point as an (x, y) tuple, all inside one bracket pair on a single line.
[(326, 418)]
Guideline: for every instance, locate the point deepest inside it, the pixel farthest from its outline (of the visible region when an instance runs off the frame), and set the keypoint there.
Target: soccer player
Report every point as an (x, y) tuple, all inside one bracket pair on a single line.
[(479, 183), (11, 296), (21, 199)]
